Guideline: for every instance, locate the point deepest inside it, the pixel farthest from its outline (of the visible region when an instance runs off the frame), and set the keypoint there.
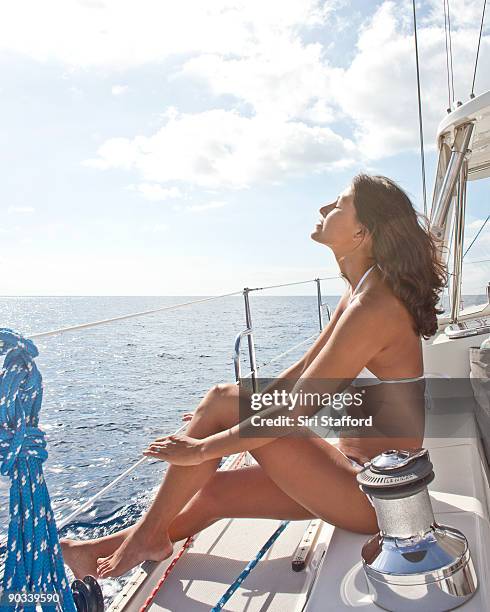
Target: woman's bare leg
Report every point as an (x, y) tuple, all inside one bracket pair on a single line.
[(149, 539), (245, 492), (75, 551), (329, 490), (317, 475)]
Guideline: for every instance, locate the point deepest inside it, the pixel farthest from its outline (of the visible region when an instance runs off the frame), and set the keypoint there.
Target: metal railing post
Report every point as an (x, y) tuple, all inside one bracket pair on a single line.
[(319, 302), (445, 195), (250, 339), (236, 354), (458, 243)]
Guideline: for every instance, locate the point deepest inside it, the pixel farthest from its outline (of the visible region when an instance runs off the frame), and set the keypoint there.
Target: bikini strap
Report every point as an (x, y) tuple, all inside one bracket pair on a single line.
[(363, 278)]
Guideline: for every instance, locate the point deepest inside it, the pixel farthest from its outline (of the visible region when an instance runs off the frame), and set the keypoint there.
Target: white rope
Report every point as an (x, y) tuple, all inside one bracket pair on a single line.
[(91, 324), (129, 316)]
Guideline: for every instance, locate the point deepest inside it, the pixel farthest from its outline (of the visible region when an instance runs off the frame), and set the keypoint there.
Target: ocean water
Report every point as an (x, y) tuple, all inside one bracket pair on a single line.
[(111, 389)]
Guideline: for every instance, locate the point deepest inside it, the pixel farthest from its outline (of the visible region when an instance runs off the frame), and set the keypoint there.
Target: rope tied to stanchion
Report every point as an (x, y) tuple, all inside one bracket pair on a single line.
[(34, 563)]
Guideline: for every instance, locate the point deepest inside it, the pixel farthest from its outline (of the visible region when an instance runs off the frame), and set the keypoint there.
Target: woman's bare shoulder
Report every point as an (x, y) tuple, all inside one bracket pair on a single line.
[(386, 308)]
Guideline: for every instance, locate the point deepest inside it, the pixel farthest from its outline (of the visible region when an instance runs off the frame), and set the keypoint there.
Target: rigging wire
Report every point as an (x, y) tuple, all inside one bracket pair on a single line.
[(472, 95), (450, 48), (468, 263), (477, 234), (478, 261), (421, 127), (447, 61)]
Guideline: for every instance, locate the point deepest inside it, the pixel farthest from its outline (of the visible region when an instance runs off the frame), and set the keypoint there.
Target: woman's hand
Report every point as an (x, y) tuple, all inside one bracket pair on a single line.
[(177, 449)]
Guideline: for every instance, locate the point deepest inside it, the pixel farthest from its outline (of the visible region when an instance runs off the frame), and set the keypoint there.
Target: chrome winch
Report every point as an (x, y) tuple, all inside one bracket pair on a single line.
[(412, 562)]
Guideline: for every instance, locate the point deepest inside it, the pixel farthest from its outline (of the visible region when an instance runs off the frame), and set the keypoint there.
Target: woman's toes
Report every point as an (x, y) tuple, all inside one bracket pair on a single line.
[(108, 569), (102, 569), (102, 561)]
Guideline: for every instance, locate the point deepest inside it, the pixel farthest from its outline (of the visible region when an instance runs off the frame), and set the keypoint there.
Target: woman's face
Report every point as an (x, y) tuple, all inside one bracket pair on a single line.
[(338, 226)]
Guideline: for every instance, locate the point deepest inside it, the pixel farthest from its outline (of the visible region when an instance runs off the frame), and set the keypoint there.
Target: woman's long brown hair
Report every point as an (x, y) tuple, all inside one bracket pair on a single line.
[(403, 248)]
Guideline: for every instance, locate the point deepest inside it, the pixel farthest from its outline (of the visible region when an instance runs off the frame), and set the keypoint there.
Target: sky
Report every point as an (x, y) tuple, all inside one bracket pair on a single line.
[(155, 148)]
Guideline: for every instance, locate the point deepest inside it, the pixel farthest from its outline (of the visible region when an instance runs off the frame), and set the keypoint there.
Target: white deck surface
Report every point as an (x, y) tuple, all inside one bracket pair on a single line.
[(218, 556), (208, 569)]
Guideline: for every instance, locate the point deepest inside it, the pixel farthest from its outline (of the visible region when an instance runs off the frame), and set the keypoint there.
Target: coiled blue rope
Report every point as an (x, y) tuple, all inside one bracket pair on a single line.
[(249, 567), (34, 563)]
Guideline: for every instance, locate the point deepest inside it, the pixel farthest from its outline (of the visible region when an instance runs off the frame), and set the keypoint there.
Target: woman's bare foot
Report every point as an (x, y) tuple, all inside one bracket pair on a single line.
[(81, 555), (140, 545)]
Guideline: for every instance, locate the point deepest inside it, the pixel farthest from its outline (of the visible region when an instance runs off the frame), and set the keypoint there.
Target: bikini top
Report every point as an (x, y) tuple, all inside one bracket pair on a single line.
[(366, 377)]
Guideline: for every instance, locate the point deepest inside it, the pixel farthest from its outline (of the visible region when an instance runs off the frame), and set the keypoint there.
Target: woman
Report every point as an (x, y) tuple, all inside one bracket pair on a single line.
[(394, 280)]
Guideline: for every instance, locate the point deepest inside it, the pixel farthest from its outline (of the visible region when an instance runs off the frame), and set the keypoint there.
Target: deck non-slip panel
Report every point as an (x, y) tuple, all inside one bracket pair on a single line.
[(218, 556)]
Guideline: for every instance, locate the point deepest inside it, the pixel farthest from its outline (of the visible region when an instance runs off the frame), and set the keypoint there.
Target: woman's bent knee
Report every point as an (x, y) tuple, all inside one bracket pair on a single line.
[(221, 404), (221, 391), (225, 390)]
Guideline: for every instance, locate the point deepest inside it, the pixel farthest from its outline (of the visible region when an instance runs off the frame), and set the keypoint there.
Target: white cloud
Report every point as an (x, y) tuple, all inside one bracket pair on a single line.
[(376, 94), (282, 77), (476, 264), (481, 247), (119, 90), (285, 92), (121, 33), (292, 91), (207, 206), (155, 192), (219, 148), (462, 12), (24, 210), (378, 90)]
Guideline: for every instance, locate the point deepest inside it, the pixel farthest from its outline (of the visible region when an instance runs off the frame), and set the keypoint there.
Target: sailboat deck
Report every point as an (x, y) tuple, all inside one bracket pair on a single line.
[(217, 557), (333, 579)]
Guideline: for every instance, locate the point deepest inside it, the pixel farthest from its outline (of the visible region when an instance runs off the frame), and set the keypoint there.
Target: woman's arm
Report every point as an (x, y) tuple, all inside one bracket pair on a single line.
[(297, 370), (331, 355), (327, 331), (359, 335)]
